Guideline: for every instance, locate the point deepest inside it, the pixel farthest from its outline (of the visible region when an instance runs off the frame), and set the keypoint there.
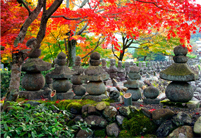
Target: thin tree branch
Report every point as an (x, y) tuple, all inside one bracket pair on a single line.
[(83, 28), (26, 7), (98, 44), (114, 53), (62, 16)]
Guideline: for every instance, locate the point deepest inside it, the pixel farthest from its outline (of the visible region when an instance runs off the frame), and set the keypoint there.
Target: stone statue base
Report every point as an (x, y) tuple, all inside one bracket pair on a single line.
[(34, 95), (77, 97), (190, 104), (67, 95), (151, 101), (97, 98)]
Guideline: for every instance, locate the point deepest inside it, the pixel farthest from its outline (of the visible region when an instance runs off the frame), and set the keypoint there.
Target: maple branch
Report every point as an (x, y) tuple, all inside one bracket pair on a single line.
[(34, 14), (83, 28), (98, 44), (59, 16), (26, 6), (114, 53), (53, 7), (83, 3)]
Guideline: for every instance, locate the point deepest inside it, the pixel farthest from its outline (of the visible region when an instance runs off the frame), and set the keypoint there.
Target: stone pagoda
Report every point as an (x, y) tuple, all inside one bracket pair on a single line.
[(76, 80), (121, 73), (33, 81), (179, 90), (127, 68), (133, 84), (113, 72), (61, 76), (95, 75)]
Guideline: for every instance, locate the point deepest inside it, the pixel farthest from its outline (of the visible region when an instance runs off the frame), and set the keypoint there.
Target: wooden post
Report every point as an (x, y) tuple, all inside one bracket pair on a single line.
[(127, 99)]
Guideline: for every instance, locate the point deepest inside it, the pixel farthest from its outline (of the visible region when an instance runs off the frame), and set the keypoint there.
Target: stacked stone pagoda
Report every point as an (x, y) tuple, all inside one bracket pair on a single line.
[(33, 81), (95, 75), (77, 87), (113, 72), (104, 65), (179, 90), (127, 68), (133, 83), (61, 76), (121, 73)]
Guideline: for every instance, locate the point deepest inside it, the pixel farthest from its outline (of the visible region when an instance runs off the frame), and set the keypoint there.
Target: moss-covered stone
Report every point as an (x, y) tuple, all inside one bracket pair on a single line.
[(74, 107), (139, 124), (178, 72), (124, 134), (100, 133)]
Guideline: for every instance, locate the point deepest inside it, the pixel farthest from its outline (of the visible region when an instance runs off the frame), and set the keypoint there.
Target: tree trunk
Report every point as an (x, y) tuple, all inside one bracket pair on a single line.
[(12, 93), (145, 58), (121, 55), (71, 52)]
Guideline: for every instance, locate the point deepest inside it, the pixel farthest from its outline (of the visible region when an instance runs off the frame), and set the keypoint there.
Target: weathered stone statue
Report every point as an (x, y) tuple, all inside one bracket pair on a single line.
[(133, 84), (151, 94), (179, 90), (61, 76), (127, 69), (95, 75), (113, 72), (104, 65), (121, 73), (77, 87), (33, 80)]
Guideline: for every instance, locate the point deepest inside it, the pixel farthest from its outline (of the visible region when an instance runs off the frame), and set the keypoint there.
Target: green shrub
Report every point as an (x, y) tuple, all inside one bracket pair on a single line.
[(39, 121)]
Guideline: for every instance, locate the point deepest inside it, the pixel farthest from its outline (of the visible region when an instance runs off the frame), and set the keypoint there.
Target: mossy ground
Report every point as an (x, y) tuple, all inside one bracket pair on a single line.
[(100, 133), (139, 124)]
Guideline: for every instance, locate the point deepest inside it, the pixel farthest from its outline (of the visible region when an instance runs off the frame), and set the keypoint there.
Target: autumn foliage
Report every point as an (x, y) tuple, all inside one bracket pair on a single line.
[(180, 18)]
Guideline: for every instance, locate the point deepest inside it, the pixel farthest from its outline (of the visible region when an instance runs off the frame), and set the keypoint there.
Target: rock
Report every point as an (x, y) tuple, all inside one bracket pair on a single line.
[(161, 115), (112, 130), (100, 106), (91, 109), (110, 113), (78, 118), (84, 134), (125, 111), (120, 119), (182, 132), (182, 119), (146, 112), (197, 126), (164, 129), (85, 110), (96, 121)]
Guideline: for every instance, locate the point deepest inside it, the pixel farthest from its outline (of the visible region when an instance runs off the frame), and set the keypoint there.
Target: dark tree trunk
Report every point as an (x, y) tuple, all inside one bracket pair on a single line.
[(122, 55), (71, 52)]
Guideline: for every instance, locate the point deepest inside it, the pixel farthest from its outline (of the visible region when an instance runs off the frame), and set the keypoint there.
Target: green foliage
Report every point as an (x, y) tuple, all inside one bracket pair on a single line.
[(191, 55), (199, 67), (40, 121), (100, 133), (139, 124), (5, 81)]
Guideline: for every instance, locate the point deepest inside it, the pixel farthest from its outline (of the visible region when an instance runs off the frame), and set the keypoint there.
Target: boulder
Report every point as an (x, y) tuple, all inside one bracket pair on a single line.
[(112, 130), (100, 106), (110, 113), (161, 115), (96, 121), (182, 119), (182, 132), (125, 111), (84, 134), (120, 119), (165, 128), (197, 126)]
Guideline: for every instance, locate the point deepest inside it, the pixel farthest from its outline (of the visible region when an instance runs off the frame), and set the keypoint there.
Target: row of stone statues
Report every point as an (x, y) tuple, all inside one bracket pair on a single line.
[(95, 76)]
